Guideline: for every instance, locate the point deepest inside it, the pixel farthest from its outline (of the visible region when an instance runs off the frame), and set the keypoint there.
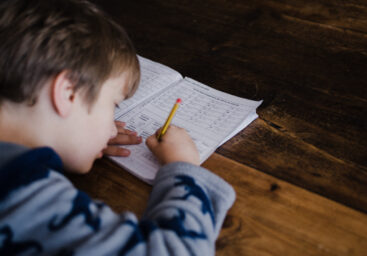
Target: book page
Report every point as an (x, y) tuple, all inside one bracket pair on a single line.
[(210, 116), (154, 78)]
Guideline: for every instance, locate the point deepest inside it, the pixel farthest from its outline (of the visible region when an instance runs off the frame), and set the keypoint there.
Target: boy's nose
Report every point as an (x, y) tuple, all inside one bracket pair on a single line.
[(114, 131)]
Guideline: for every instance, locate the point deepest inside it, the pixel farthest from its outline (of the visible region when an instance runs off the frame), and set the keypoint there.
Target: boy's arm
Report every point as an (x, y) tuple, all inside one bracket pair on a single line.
[(185, 212), (184, 215), (46, 214), (192, 202)]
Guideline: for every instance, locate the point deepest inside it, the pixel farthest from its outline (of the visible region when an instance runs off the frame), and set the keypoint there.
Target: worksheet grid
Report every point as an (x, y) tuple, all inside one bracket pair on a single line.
[(204, 113), (207, 119), (146, 123)]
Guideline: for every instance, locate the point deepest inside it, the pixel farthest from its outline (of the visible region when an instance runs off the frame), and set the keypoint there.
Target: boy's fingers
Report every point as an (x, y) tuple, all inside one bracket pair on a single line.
[(122, 130), (157, 132), (120, 124), (152, 142), (116, 151), (123, 139)]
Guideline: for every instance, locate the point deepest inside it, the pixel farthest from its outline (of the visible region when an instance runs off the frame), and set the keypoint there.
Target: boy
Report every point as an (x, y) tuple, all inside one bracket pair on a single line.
[(64, 65)]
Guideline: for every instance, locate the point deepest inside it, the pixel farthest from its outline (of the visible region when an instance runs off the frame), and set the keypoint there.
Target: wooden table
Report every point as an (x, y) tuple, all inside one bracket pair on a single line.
[(300, 169)]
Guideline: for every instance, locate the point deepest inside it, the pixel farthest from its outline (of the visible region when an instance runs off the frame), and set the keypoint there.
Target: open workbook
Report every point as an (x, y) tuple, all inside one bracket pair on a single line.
[(211, 117)]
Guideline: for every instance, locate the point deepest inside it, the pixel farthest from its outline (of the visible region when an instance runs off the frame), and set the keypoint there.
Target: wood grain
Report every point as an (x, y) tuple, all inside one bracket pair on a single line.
[(269, 217), (273, 217)]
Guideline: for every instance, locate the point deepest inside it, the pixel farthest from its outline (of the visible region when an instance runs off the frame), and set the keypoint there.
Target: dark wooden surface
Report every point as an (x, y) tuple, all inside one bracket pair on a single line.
[(307, 60)]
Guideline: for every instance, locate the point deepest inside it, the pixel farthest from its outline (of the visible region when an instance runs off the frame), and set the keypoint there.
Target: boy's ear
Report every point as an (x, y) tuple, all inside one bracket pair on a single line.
[(62, 94)]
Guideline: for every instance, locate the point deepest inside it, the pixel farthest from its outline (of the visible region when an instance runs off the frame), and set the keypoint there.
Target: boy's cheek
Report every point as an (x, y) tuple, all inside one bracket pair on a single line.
[(79, 165)]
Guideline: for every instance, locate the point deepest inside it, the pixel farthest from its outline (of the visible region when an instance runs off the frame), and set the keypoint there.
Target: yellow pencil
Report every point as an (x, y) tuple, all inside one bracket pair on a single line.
[(169, 119)]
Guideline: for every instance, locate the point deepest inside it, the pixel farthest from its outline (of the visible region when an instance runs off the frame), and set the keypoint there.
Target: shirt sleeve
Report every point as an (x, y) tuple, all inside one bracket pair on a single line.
[(184, 215)]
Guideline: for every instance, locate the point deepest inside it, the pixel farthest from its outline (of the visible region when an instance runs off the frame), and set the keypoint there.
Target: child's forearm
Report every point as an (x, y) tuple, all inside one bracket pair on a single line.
[(185, 212), (186, 186)]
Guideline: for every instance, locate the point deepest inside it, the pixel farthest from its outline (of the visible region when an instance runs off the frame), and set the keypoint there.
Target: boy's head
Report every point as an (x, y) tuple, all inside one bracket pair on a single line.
[(68, 56)]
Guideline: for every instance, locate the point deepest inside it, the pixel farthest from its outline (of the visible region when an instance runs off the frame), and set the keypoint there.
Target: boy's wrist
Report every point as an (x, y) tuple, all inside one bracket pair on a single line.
[(181, 160)]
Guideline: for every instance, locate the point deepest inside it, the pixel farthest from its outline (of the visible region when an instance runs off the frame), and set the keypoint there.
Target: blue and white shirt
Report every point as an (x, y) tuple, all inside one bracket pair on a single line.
[(42, 213)]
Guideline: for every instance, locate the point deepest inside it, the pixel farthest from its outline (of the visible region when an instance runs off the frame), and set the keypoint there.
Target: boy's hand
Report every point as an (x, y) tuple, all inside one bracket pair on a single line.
[(123, 137), (175, 146)]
